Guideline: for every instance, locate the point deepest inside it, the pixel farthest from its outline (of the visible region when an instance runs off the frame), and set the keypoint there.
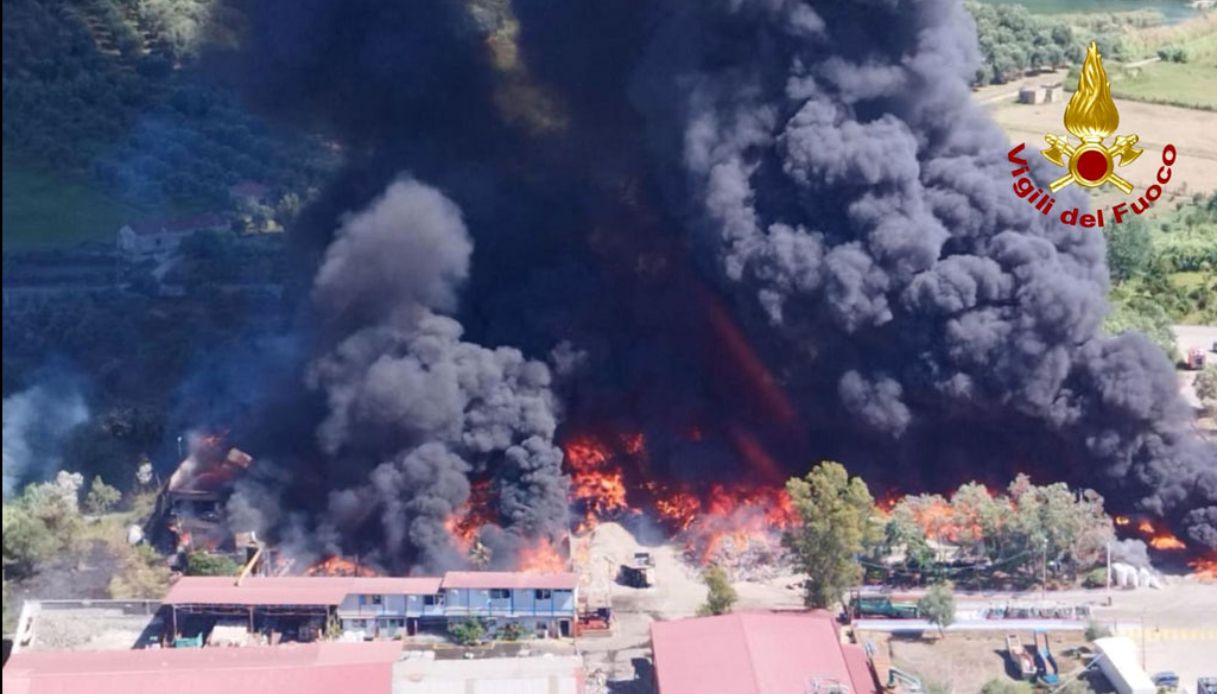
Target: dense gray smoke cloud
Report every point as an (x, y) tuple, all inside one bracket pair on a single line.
[(847, 188), (706, 202), (37, 421), (410, 403)]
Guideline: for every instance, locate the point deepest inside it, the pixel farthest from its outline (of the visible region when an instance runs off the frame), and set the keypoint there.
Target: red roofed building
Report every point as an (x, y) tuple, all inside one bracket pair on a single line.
[(299, 608), (318, 668), (541, 603), (160, 237), (758, 653)]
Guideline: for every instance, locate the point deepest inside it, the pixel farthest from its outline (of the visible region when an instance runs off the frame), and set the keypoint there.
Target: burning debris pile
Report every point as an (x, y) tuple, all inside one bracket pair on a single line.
[(737, 237), (189, 512)]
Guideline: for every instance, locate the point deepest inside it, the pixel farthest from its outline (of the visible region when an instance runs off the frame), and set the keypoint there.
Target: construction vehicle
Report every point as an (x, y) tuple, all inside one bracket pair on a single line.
[(639, 572), (1194, 360), (880, 607), (1020, 658), (1045, 664)]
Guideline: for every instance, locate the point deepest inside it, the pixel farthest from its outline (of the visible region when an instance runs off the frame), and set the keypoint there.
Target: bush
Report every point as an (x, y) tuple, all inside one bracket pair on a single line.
[(468, 632), (512, 632), (102, 497), (938, 605), (207, 564), (1094, 630), (721, 595), (1095, 578)]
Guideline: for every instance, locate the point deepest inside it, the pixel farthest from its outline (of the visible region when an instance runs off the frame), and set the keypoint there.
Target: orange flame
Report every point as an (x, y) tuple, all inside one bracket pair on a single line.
[(596, 481), (1166, 541), (541, 557), (337, 566), (464, 523), (737, 519), (1160, 539), (1204, 568), (1122, 521)]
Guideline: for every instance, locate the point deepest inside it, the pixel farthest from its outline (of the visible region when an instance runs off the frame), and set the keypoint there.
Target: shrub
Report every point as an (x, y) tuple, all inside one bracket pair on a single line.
[(1094, 630), (468, 632), (207, 564), (512, 632), (721, 596), (1095, 578)]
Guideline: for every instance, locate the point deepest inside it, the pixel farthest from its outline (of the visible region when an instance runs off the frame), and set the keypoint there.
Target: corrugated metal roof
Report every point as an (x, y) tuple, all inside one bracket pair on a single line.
[(756, 653), (320, 668), (510, 579), (257, 590), (533, 675)]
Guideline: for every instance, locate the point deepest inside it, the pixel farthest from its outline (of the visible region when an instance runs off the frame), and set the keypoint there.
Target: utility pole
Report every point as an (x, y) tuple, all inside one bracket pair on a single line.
[(1044, 571), (1109, 572)]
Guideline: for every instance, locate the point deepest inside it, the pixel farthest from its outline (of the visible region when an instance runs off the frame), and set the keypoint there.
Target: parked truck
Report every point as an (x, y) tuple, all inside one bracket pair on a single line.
[(1118, 660), (879, 606), (639, 572)]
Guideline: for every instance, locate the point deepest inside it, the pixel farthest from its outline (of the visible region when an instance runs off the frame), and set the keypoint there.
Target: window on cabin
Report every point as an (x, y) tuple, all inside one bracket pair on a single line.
[(543, 594), (499, 593), (433, 600)]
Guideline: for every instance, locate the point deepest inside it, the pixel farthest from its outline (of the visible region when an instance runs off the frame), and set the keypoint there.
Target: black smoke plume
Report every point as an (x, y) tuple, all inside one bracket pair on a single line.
[(771, 221)]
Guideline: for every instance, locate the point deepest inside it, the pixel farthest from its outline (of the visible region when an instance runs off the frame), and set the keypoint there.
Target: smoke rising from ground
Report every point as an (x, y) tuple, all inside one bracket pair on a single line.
[(410, 404), (37, 420), (718, 207)]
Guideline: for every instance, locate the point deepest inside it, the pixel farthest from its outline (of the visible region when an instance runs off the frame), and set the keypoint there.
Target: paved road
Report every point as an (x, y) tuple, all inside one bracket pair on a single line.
[(896, 626)]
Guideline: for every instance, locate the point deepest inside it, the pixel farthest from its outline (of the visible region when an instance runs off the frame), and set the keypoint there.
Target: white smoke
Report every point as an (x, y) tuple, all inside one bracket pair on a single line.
[(36, 421)]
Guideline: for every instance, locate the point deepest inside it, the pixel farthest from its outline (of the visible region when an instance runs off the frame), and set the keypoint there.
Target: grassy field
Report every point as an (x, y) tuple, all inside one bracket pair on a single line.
[(46, 210), (1192, 85)]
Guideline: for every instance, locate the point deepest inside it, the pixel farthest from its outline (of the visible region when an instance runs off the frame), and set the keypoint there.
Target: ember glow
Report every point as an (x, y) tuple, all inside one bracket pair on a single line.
[(338, 566), (1158, 538), (1166, 541), (1204, 568)]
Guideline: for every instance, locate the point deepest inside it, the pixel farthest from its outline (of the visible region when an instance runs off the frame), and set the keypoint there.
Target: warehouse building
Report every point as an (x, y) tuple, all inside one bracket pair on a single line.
[(759, 653)]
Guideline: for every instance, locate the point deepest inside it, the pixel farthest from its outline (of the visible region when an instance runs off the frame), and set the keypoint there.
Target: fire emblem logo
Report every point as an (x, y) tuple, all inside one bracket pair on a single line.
[(1091, 116)]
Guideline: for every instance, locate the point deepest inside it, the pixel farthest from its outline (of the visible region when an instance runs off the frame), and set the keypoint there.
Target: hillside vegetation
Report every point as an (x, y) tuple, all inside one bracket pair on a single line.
[(105, 93)]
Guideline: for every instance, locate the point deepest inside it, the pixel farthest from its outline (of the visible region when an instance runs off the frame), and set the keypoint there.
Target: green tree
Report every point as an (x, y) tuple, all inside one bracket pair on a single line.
[(721, 596), (468, 632), (208, 564), (1144, 313), (41, 523), (835, 527), (1005, 686), (1129, 249), (102, 497), (938, 605)]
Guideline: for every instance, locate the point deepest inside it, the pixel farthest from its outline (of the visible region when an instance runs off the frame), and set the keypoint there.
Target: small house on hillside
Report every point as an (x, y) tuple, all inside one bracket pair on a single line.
[(158, 238)]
